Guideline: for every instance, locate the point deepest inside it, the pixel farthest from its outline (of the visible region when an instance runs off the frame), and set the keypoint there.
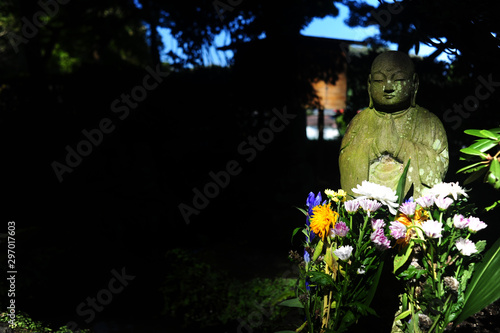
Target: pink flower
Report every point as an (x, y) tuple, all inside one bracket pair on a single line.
[(381, 242), (341, 229), (398, 230), (443, 202), (408, 208), (377, 224), (369, 206), (351, 206), (432, 229), (465, 246), (460, 222), (426, 201), (476, 224)]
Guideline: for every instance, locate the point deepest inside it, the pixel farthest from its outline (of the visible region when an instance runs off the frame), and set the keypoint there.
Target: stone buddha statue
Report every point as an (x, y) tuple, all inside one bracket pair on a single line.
[(381, 139)]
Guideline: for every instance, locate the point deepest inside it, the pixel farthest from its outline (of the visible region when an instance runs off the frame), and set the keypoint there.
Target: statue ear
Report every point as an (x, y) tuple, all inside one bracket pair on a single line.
[(415, 89), (370, 105)]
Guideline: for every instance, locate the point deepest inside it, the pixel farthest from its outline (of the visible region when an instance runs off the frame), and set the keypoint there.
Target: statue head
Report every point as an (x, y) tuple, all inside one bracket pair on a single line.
[(392, 83)]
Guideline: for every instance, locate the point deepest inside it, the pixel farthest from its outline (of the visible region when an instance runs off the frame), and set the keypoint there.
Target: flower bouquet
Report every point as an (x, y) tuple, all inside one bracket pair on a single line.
[(345, 245), (347, 242), (435, 258)]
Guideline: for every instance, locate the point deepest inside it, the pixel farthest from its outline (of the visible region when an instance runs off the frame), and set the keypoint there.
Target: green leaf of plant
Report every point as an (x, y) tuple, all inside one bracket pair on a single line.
[(292, 303), (494, 174), (474, 152), (294, 232), (320, 278), (317, 250), (483, 144), (400, 189), (302, 210), (490, 135), (473, 167), (373, 287), (476, 175), (484, 288), (476, 132), (402, 257)]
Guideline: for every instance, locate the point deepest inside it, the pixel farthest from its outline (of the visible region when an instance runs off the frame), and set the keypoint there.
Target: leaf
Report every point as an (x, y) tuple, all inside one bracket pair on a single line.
[(330, 260), (476, 175), (292, 303), (484, 288), (402, 257), (483, 145), (317, 250), (320, 279), (474, 152), (302, 210), (473, 167), (494, 174), (490, 135), (373, 287), (480, 246), (476, 132), (294, 232), (400, 189)]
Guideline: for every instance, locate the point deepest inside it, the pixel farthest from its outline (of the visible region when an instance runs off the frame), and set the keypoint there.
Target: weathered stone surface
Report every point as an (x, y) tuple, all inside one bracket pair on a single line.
[(380, 139)]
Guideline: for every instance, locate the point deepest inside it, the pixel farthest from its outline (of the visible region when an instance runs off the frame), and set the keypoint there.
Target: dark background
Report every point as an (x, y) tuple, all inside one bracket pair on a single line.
[(119, 207)]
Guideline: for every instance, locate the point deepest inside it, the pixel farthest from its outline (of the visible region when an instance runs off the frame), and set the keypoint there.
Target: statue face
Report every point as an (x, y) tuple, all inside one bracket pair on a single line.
[(392, 84)]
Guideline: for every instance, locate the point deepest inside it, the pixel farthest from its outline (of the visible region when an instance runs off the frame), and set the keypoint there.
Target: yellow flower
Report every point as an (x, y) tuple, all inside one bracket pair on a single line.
[(341, 195), (323, 219)]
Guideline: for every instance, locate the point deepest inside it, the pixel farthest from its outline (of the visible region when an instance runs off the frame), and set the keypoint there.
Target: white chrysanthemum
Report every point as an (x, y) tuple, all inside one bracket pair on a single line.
[(466, 246), (344, 252), (378, 192), (432, 229), (446, 189)]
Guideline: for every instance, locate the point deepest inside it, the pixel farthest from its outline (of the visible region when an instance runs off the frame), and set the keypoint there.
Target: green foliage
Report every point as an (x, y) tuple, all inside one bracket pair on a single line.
[(199, 296), (484, 288), (483, 165), (25, 324)]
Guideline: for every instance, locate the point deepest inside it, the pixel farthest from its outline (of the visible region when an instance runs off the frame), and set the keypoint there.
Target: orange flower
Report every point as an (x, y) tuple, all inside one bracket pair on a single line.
[(402, 218), (421, 215), (323, 219)]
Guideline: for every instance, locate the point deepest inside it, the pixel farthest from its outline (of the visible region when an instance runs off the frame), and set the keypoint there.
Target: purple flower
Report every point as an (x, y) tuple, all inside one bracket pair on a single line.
[(460, 222), (476, 224), (443, 202), (381, 242), (312, 202), (369, 206), (307, 256), (433, 229), (426, 201), (408, 208), (377, 224), (351, 206), (341, 229), (398, 230)]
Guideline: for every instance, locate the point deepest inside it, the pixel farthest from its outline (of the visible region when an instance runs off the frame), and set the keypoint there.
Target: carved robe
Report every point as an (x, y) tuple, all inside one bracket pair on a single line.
[(377, 146)]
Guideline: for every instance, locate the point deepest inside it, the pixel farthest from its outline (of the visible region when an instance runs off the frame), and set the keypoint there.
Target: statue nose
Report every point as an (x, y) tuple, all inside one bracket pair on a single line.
[(389, 87)]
